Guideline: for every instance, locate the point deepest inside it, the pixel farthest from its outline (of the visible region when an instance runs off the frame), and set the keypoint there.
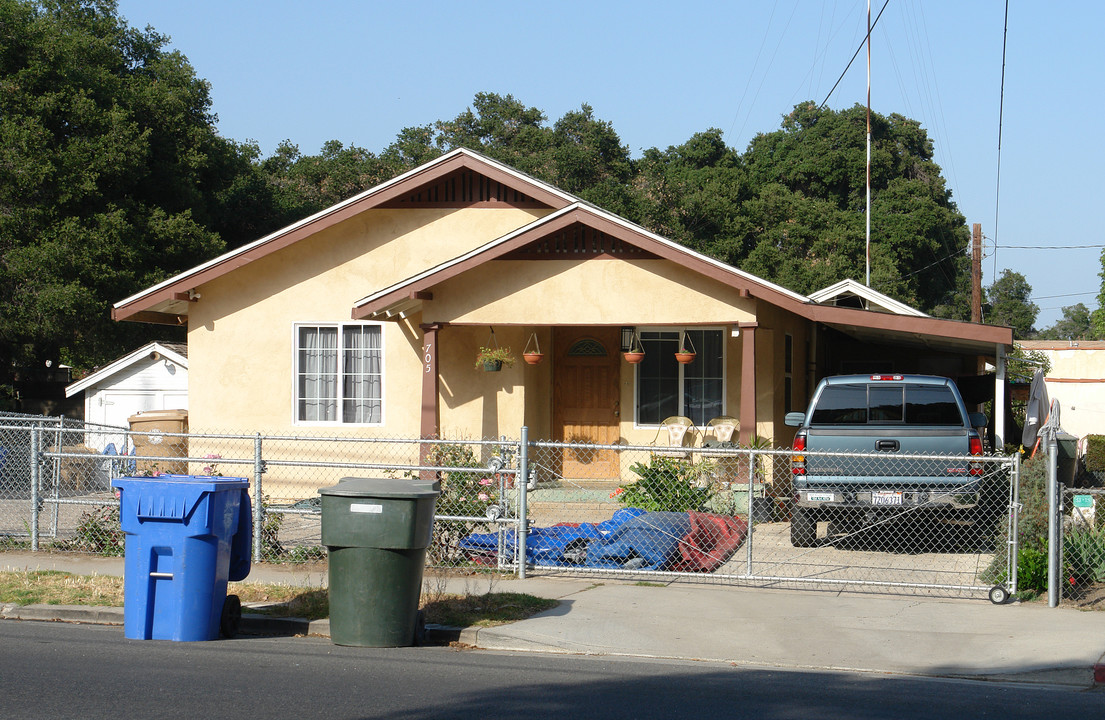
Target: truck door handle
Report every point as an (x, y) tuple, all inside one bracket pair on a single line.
[(887, 445)]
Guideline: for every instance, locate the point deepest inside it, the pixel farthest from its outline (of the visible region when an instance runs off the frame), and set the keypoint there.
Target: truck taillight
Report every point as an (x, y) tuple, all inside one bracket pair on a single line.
[(887, 377), (976, 449), (798, 462)]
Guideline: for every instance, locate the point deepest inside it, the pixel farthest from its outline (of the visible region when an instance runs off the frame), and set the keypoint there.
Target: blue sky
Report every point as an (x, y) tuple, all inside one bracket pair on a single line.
[(360, 71)]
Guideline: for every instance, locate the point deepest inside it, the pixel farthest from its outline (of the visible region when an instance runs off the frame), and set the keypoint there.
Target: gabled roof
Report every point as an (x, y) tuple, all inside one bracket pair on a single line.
[(616, 237), (441, 180), (849, 293), (177, 352)]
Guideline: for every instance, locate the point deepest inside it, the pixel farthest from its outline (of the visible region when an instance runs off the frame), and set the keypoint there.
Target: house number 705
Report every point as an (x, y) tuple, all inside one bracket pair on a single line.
[(427, 358)]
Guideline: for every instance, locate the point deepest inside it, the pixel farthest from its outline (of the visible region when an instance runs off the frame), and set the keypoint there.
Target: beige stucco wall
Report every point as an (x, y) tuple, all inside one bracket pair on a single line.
[(1077, 381), (240, 332), (596, 292)]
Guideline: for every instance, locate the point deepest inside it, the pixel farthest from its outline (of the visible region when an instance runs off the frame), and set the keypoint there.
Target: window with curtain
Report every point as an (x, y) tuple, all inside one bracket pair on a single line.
[(666, 387), (339, 374)]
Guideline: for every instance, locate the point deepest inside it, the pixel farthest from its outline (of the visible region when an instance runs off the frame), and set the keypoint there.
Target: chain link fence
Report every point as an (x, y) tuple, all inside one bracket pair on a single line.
[(1083, 541), (717, 513)]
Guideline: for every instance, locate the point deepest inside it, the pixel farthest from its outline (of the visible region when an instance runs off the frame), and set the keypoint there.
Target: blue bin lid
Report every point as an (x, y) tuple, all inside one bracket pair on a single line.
[(197, 482)]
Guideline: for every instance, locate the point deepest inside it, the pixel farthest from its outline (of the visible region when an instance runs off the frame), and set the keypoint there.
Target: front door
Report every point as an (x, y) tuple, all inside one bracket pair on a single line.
[(586, 402)]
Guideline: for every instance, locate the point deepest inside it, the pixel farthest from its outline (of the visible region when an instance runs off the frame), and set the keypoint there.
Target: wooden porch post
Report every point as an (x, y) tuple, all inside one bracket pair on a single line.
[(748, 382), (431, 414)]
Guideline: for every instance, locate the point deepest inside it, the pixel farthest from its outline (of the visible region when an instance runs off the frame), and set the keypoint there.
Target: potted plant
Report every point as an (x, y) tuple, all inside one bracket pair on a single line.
[(534, 356), (636, 351), (492, 359), (685, 354)]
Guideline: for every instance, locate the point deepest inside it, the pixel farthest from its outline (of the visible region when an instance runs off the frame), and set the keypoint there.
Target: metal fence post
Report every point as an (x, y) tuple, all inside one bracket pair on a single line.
[(34, 487), (752, 458), (522, 483), (258, 509), (1053, 509), (1014, 522)]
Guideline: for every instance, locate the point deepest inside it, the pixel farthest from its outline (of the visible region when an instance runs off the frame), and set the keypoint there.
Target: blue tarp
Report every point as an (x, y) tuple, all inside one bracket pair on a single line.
[(547, 546), (648, 542)]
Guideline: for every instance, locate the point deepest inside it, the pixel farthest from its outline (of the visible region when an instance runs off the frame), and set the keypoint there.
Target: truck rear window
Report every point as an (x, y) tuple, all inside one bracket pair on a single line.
[(861, 404)]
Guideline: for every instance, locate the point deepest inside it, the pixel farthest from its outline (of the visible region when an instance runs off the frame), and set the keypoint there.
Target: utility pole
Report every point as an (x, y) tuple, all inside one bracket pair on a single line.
[(976, 273)]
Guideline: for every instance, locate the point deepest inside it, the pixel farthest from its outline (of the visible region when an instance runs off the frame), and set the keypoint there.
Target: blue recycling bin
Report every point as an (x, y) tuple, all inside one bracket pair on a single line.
[(186, 537)]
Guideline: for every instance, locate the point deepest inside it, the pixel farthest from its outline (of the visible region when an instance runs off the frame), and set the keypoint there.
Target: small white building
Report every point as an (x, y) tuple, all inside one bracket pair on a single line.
[(153, 377), (1077, 381)]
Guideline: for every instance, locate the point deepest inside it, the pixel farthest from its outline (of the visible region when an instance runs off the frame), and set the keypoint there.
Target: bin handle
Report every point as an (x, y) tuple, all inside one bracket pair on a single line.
[(167, 576)]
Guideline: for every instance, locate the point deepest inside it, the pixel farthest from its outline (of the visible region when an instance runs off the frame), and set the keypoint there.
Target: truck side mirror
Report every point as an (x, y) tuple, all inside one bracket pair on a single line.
[(795, 419), (978, 420)]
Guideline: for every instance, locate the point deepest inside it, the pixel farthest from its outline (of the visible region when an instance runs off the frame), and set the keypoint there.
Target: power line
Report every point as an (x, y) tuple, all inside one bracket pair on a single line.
[(1001, 114), (855, 55), (1047, 247)]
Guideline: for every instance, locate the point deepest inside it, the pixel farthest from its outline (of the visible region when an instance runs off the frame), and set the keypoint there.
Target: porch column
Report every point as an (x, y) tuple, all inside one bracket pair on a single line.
[(431, 417), (748, 382)]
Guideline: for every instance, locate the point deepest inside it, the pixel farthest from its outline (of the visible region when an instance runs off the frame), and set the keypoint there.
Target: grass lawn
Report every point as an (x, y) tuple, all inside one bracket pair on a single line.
[(53, 587)]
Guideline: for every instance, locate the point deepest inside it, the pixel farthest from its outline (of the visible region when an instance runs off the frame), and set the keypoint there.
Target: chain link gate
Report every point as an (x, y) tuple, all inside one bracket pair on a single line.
[(727, 515)]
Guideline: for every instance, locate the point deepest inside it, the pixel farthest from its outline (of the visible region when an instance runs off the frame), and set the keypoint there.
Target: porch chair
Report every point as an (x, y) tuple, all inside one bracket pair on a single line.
[(719, 431), (677, 434)]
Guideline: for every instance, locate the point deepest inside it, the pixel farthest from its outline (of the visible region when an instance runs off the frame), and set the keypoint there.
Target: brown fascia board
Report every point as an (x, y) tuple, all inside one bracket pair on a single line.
[(335, 215), (937, 327)]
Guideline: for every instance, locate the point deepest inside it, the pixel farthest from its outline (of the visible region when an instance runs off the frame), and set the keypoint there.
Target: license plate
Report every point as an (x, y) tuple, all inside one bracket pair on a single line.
[(820, 497), (886, 497)]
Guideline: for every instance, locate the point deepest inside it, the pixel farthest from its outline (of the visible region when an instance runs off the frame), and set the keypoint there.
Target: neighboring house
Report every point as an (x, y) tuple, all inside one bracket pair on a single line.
[(1077, 381), (153, 377), (366, 318)]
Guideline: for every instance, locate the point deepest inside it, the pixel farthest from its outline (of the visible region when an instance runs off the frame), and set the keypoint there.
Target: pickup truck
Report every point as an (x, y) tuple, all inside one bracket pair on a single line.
[(847, 464)]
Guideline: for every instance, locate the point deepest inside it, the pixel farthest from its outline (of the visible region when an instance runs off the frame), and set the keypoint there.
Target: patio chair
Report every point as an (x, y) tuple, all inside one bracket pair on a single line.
[(719, 431), (676, 434)]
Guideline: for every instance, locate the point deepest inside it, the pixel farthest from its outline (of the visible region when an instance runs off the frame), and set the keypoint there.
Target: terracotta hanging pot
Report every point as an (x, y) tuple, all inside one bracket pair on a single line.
[(634, 357), (533, 356), (684, 358)]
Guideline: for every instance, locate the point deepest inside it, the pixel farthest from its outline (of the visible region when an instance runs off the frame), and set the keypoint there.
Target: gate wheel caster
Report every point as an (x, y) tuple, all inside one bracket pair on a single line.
[(999, 595)]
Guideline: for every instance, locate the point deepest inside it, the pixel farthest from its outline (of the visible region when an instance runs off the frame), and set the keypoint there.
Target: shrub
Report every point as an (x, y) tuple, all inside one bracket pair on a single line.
[(1095, 453), (668, 484), (1084, 555)]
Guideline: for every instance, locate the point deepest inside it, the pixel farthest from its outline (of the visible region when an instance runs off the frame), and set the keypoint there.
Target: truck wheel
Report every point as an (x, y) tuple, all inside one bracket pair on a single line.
[(803, 528)]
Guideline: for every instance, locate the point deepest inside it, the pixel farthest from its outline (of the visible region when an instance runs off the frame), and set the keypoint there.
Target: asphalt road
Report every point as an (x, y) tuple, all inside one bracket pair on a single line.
[(62, 671)]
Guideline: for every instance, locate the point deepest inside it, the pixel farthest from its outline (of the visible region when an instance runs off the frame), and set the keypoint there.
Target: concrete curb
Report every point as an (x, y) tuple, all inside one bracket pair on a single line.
[(254, 624)]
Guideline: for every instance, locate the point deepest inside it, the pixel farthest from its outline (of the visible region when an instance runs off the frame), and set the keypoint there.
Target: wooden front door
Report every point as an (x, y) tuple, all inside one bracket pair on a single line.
[(585, 401)]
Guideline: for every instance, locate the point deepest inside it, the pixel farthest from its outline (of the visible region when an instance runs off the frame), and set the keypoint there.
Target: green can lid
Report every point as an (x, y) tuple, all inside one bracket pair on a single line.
[(401, 488)]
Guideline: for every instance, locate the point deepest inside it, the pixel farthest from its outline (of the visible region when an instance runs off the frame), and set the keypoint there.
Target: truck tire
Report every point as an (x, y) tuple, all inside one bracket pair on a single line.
[(803, 528)]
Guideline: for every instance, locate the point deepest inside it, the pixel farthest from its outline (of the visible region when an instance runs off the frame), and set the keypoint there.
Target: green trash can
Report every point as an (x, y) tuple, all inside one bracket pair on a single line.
[(376, 531)]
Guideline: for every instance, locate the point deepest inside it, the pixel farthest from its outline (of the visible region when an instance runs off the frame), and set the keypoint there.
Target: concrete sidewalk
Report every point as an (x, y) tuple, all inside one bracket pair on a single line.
[(744, 626)]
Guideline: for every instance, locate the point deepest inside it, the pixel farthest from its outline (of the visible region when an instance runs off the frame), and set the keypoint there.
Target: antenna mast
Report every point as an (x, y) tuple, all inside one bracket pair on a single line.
[(868, 143)]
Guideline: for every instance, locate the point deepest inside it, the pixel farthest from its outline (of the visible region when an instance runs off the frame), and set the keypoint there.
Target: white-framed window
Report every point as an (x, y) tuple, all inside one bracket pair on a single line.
[(666, 387), (339, 374)]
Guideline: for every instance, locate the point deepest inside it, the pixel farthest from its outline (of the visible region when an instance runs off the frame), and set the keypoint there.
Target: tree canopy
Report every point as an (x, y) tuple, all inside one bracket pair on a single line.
[(1010, 305), (111, 176)]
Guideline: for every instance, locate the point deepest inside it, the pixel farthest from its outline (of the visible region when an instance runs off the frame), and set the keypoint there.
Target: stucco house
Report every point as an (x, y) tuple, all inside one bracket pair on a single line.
[(1077, 381), (366, 319)]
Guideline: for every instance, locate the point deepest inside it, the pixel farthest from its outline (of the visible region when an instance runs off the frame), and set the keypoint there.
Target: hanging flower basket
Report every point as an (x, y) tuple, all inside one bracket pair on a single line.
[(685, 354), (636, 351), (491, 357), (534, 356)]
